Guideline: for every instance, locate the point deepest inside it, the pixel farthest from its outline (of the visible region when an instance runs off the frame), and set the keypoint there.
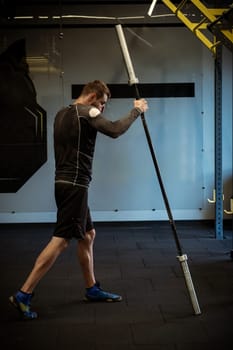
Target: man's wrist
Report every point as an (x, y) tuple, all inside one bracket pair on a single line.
[(139, 110)]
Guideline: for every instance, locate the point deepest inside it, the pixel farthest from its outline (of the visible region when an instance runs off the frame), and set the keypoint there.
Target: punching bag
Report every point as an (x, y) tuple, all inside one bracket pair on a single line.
[(23, 134)]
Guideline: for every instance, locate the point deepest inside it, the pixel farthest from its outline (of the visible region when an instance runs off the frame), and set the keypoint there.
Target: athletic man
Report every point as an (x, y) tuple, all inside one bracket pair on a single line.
[(75, 130)]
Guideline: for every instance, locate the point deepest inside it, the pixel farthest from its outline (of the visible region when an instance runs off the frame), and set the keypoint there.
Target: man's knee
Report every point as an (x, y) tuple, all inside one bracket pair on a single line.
[(90, 236), (65, 244), (59, 243)]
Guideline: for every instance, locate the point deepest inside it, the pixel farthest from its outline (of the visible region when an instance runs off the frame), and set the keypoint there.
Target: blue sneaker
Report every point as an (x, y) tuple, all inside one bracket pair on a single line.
[(22, 302), (95, 293)]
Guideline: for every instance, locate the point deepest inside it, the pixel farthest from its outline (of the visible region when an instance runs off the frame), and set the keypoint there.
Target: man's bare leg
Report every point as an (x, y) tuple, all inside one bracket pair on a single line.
[(22, 299), (85, 255), (86, 260), (44, 262)]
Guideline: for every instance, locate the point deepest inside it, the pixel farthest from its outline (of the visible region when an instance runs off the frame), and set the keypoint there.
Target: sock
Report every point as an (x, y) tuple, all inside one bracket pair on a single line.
[(23, 297), (90, 288), (95, 286)]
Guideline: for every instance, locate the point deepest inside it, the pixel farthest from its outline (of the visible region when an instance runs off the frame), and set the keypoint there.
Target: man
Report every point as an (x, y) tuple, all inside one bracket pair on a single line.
[(75, 130)]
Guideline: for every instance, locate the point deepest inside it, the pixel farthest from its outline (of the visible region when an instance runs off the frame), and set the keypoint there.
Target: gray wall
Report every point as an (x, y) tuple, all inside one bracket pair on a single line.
[(125, 185)]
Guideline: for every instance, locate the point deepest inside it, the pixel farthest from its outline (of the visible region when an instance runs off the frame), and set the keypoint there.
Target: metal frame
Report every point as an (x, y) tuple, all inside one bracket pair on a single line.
[(218, 145), (207, 17)]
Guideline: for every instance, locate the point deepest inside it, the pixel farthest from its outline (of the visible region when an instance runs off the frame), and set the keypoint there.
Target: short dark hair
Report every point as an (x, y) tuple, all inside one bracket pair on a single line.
[(97, 86)]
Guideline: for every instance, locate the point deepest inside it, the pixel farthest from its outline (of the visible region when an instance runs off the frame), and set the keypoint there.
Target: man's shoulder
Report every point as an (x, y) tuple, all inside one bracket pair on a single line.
[(88, 111), (94, 112), (63, 110)]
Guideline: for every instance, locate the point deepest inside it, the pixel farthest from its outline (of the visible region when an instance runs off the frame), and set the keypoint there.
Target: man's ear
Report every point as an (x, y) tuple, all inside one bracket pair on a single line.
[(91, 97)]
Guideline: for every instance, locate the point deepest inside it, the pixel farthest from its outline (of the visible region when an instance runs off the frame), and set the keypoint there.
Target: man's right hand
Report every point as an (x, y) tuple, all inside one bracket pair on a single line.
[(141, 104)]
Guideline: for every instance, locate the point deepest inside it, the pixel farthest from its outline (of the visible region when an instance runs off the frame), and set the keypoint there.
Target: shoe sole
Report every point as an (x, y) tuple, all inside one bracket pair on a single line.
[(14, 304), (109, 300)]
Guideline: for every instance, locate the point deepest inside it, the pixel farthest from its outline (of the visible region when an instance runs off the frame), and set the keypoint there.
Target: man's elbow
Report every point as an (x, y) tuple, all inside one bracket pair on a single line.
[(115, 135)]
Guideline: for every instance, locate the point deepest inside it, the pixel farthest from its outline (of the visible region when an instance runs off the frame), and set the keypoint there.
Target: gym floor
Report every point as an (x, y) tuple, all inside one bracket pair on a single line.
[(137, 260)]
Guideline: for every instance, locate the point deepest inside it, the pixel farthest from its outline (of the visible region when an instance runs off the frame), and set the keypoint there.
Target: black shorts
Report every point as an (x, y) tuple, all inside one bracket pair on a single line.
[(73, 214)]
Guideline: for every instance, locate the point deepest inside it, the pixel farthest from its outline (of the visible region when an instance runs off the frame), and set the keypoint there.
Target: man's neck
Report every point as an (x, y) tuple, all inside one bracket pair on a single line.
[(82, 100)]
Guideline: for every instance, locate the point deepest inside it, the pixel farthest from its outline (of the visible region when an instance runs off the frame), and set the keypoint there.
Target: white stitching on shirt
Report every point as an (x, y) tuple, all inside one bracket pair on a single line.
[(79, 137)]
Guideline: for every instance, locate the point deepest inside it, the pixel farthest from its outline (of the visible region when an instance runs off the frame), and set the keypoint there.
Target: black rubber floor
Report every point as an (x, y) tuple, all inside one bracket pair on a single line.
[(136, 260)]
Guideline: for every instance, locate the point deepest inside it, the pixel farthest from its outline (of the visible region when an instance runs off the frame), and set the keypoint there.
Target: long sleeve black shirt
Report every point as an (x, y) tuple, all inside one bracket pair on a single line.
[(75, 131)]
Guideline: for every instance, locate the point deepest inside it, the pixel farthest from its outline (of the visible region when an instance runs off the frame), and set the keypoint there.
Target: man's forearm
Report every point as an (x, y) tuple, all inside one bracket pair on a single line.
[(115, 128)]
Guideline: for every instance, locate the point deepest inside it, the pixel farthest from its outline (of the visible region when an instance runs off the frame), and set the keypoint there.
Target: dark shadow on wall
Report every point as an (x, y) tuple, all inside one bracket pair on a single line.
[(23, 131)]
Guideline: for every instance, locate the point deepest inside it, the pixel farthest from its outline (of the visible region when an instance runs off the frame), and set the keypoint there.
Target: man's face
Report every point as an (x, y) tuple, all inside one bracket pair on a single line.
[(100, 103)]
